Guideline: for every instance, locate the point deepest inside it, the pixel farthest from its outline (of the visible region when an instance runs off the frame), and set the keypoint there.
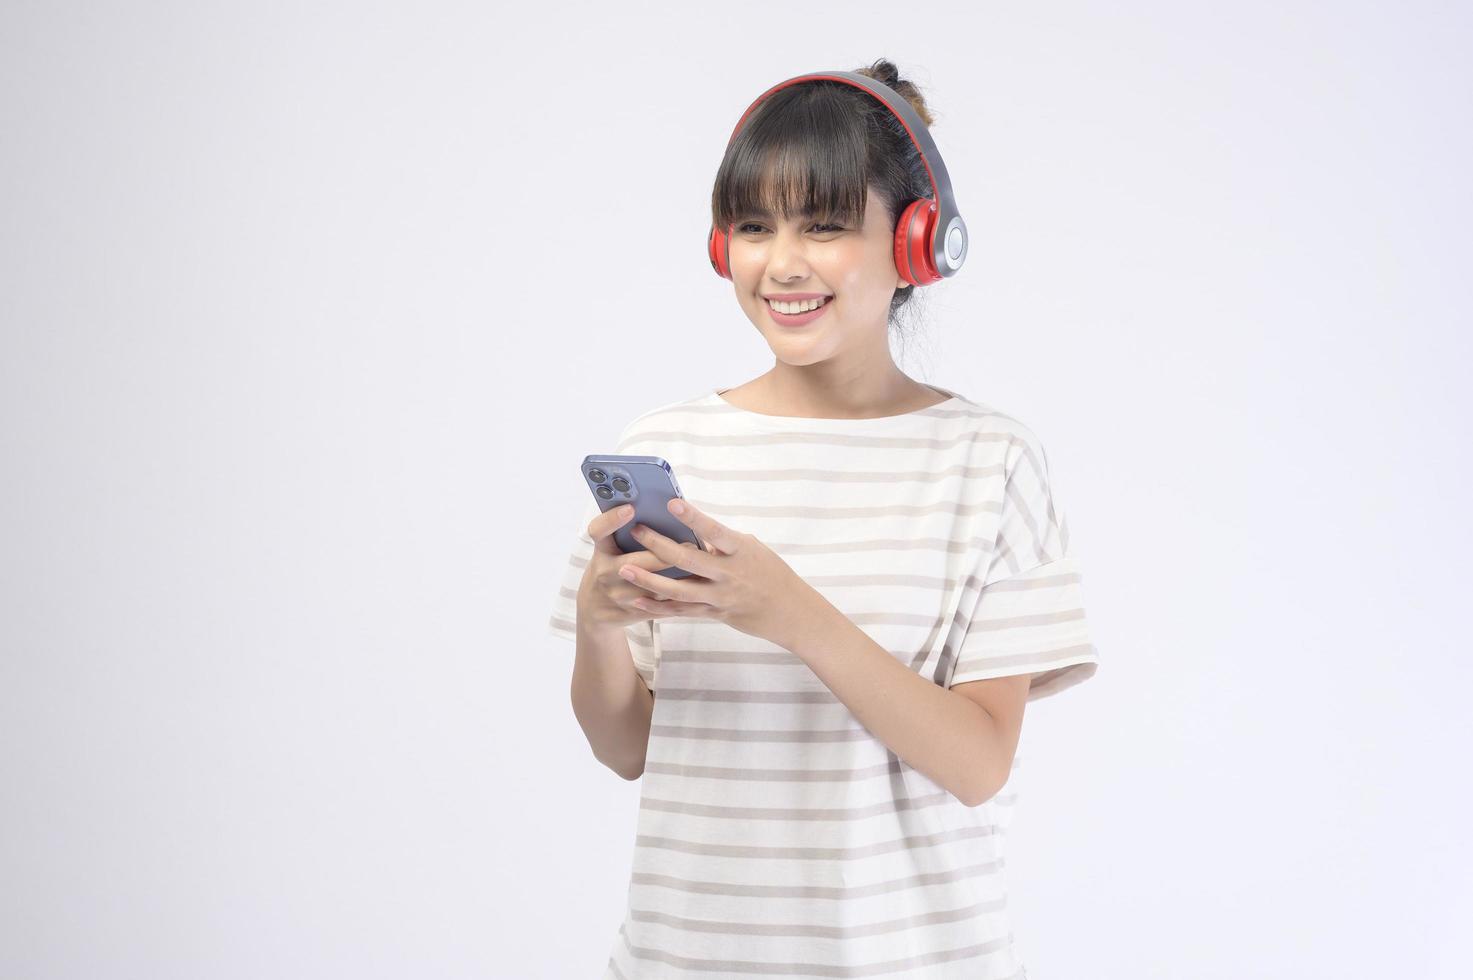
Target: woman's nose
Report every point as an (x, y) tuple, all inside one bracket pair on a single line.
[(786, 258)]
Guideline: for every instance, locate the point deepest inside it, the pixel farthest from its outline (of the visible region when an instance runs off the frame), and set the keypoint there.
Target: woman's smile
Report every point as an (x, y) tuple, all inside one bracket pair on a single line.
[(796, 314)]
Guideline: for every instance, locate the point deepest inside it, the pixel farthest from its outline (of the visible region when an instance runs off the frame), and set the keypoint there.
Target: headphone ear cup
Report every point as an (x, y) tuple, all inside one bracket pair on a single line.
[(915, 258), (717, 251)]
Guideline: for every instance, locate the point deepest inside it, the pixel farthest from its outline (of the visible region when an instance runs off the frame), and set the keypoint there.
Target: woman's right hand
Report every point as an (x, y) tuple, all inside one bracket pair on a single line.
[(605, 598)]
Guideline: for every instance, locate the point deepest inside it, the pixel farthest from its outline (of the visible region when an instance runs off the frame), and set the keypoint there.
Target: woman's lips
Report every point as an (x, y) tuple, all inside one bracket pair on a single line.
[(796, 319)]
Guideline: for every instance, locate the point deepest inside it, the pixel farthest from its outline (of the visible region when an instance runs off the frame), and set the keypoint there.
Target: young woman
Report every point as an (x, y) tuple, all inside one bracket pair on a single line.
[(826, 713)]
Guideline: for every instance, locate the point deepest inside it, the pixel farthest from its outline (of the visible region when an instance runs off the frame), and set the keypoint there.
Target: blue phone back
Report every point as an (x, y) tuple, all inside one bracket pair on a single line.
[(649, 484)]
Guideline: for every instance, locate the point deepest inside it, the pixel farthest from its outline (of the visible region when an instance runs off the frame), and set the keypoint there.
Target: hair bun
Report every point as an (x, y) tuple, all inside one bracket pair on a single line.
[(885, 72)]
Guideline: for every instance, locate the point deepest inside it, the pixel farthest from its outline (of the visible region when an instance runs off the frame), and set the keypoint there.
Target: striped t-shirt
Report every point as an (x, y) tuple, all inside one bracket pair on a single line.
[(777, 836)]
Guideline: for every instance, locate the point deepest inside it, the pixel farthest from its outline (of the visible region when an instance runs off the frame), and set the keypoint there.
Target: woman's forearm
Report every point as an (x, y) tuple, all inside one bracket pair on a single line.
[(950, 738), (610, 701)]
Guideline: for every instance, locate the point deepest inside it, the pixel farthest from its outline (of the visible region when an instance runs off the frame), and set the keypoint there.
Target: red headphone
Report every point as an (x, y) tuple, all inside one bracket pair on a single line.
[(930, 237)]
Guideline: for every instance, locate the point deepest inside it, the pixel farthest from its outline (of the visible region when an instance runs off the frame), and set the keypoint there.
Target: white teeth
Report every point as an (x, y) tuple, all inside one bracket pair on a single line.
[(803, 307)]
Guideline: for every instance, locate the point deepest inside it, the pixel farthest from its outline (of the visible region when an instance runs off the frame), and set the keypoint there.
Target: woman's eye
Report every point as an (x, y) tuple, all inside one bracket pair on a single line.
[(822, 229)]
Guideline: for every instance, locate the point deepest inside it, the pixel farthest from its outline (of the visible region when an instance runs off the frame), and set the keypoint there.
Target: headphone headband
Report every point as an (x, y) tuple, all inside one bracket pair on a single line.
[(930, 236)]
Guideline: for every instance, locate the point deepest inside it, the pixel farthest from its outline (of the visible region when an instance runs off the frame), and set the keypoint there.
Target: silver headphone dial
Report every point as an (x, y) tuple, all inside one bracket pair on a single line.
[(956, 243)]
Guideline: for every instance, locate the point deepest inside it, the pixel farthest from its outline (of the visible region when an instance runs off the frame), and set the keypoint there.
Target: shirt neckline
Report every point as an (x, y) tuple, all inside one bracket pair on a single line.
[(953, 400)]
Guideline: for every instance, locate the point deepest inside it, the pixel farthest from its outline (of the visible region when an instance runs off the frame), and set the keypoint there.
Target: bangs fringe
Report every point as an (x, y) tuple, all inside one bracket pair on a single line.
[(802, 153)]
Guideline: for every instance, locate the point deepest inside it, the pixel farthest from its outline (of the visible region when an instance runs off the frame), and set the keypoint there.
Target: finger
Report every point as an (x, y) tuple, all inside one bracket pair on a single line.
[(642, 555), (717, 536), (669, 551), (601, 529), (670, 607), (660, 586), (647, 560)]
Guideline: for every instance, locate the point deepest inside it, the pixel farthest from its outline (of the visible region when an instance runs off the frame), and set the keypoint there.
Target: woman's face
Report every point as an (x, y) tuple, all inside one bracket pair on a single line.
[(855, 267)]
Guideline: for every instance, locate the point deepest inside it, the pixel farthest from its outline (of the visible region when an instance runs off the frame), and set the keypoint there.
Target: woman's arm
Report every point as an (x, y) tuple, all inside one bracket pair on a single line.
[(610, 700), (963, 741)]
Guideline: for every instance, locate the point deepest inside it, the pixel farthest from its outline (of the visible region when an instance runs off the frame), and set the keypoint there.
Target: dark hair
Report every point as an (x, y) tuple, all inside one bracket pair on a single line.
[(814, 148)]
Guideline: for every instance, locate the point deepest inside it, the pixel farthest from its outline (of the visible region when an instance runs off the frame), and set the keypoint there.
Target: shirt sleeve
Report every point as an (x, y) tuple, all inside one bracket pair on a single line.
[(1028, 615), (643, 636)]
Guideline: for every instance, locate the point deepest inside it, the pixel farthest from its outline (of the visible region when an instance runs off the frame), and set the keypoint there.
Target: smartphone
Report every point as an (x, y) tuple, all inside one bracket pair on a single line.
[(649, 484)]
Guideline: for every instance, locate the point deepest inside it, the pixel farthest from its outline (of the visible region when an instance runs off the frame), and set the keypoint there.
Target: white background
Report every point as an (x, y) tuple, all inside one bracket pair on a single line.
[(309, 314)]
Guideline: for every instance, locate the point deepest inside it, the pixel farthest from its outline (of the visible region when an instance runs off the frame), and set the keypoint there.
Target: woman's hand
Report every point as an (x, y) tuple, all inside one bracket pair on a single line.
[(604, 599), (739, 581)]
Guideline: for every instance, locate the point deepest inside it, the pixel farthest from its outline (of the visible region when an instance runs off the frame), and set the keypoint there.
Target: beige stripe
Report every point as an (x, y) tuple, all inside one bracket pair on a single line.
[(682, 437), (943, 545), (1027, 584), (829, 892), (923, 652), (780, 657), (774, 775), (773, 735), (749, 697), (822, 969), (825, 696), (1021, 506), (1043, 660), (867, 545), (819, 931), (814, 853), (760, 735), (934, 582), (1039, 658), (891, 618), (750, 658), (744, 512), (920, 478), (889, 805), (892, 766), (1003, 555), (985, 625)]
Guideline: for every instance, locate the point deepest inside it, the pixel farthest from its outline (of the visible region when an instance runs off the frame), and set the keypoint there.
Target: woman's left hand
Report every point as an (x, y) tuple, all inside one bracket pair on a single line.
[(740, 581)]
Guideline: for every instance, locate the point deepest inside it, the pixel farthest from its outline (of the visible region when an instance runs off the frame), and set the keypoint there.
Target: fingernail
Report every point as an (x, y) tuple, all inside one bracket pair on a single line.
[(677, 507), (626, 574)]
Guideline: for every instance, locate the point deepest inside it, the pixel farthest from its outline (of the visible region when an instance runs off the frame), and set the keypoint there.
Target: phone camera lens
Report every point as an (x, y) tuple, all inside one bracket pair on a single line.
[(597, 476), (604, 493), (620, 484)]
